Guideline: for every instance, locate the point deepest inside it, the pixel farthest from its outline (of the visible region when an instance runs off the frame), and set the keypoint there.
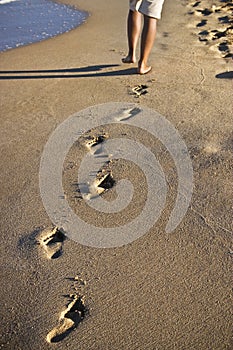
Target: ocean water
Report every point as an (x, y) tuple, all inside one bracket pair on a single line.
[(23, 22)]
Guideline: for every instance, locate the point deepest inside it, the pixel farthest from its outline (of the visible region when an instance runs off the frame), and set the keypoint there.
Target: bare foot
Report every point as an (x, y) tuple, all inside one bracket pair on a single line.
[(128, 59), (143, 69)]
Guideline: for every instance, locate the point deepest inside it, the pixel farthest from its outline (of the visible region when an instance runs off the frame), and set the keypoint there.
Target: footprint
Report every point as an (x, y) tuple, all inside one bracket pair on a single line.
[(228, 7), (202, 23), (139, 90), (225, 19), (95, 143), (225, 50), (127, 114), (69, 319), (203, 12), (207, 12), (96, 140), (104, 182), (219, 33), (207, 35), (52, 241), (203, 36), (196, 4)]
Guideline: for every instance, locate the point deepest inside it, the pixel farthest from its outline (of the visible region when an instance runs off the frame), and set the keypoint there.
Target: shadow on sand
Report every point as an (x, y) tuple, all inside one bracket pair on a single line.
[(225, 75), (82, 72)]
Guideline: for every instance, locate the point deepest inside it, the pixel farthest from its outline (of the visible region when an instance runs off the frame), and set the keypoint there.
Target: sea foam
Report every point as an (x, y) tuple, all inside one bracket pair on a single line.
[(24, 22)]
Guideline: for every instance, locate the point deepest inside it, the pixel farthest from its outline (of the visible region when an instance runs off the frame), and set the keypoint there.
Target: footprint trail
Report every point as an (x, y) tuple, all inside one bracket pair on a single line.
[(216, 24)]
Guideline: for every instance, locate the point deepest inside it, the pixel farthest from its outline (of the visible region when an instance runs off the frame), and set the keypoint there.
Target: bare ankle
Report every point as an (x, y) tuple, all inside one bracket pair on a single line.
[(129, 59)]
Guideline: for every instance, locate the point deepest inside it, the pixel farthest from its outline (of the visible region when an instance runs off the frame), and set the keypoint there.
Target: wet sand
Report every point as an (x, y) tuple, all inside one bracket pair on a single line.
[(164, 290)]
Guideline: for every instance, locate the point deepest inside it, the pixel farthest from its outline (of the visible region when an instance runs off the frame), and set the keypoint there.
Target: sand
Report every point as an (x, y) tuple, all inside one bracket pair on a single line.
[(164, 290)]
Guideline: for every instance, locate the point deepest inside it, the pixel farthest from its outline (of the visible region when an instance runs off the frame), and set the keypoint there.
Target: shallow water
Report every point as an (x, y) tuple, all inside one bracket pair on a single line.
[(24, 22)]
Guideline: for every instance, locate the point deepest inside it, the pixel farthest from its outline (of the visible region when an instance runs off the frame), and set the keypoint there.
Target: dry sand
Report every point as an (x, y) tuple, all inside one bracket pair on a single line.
[(163, 291)]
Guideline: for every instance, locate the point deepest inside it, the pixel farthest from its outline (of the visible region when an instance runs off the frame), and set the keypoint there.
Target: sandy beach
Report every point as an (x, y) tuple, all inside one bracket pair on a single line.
[(162, 291)]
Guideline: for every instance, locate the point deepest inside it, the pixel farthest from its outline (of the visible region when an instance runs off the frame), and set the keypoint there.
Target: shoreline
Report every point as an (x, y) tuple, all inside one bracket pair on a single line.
[(163, 290), (42, 26)]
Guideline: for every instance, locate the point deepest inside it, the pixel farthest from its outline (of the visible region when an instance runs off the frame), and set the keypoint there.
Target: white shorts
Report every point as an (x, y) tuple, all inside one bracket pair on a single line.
[(151, 8)]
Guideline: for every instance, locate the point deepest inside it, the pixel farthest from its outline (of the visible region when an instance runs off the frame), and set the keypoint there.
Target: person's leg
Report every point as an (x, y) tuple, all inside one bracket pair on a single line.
[(133, 29), (147, 41)]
